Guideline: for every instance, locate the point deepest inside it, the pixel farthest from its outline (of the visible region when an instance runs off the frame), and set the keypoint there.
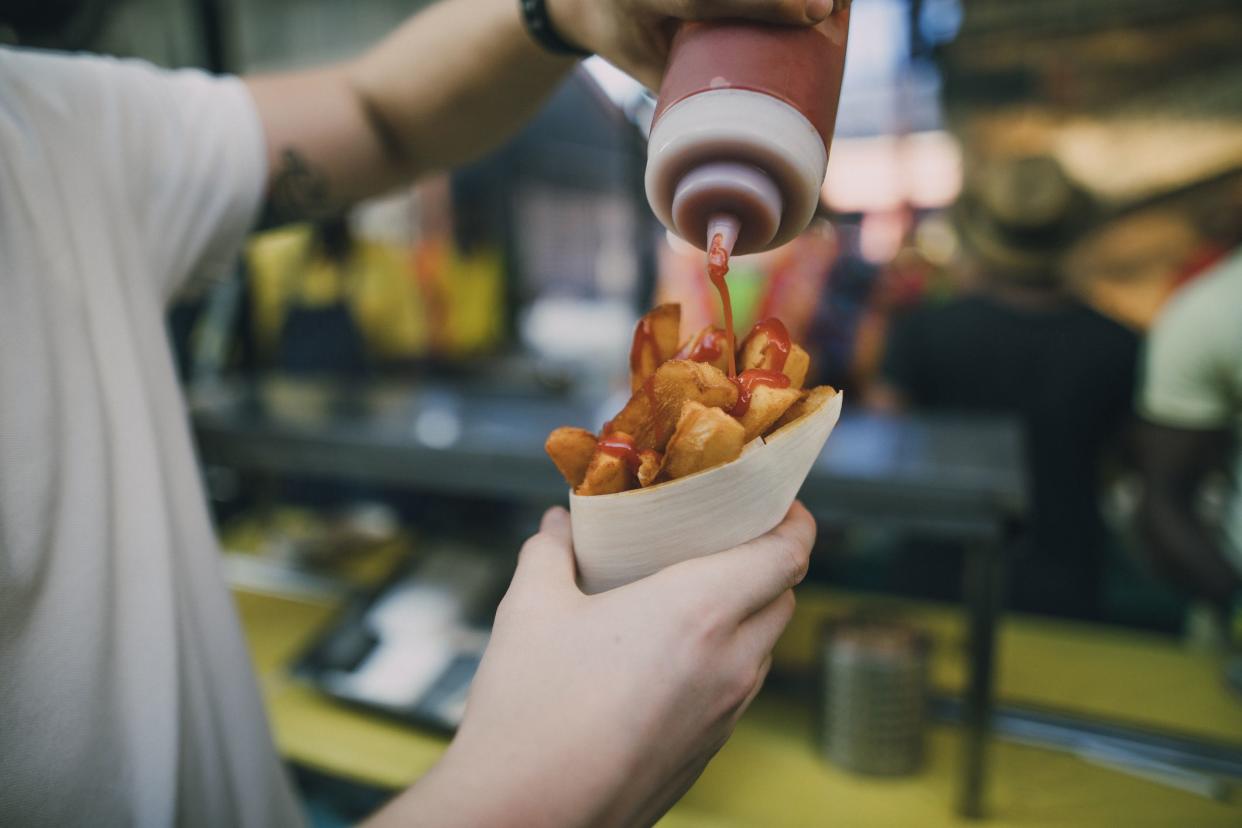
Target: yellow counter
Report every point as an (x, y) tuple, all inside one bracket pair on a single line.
[(770, 775)]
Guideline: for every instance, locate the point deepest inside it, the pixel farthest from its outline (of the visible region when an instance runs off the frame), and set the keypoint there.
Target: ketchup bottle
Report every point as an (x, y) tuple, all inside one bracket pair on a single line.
[(740, 140)]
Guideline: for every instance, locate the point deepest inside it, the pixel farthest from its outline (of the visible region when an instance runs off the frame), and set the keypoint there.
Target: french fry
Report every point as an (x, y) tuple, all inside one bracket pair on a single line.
[(676, 383), (709, 346), (677, 421), (636, 412), (655, 341), (705, 437), (796, 366), (649, 465), (652, 412), (809, 402), (606, 474), (757, 355), (571, 450), (767, 404)]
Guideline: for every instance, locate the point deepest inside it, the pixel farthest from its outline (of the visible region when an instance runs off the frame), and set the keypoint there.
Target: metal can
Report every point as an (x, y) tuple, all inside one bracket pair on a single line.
[(874, 696)]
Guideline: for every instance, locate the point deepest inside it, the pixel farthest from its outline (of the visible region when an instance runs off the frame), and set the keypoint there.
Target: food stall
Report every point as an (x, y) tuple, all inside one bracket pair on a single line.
[(370, 396)]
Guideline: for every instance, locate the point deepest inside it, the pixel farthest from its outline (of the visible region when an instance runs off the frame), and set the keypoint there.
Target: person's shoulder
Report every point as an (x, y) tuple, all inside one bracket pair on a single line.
[(912, 321), (1193, 351), (27, 70), (19, 62), (1103, 324), (1200, 321), (50, 90), (179, 152), (972, 315), (48, 75), (38, 85), (1212, 298), (952, 309), (1103, 338)]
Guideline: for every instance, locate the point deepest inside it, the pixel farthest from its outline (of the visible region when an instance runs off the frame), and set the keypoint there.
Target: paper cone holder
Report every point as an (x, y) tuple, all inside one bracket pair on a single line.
[(620, 538)]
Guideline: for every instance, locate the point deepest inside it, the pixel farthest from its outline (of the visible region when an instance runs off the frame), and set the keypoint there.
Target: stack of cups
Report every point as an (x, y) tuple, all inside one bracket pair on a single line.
[(875, 692)]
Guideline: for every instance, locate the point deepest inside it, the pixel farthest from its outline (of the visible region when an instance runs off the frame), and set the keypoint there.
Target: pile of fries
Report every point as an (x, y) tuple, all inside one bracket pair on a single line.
[(685, 414)]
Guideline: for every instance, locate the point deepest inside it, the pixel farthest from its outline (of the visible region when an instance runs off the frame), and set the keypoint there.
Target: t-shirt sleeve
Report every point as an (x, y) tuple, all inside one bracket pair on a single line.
[(1183, 377), (176, 158), (199, 169)]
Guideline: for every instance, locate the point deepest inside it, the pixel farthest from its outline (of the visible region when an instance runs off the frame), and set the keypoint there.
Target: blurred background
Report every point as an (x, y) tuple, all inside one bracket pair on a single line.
[(1015, 192)]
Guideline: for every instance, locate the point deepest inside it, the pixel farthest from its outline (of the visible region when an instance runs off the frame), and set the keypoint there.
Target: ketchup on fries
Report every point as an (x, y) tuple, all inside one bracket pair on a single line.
[(690, 409)]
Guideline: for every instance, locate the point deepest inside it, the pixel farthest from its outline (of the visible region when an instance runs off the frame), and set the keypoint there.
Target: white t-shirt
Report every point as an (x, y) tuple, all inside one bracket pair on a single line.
[(126, 693), (1192, 372)]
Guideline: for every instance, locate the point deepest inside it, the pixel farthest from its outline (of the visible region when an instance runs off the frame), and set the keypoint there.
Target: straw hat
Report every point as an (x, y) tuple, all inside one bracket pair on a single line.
[(1019, 215)]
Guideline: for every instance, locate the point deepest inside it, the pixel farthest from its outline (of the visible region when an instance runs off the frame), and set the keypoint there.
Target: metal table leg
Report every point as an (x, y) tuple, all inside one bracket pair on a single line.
[(983, 599)]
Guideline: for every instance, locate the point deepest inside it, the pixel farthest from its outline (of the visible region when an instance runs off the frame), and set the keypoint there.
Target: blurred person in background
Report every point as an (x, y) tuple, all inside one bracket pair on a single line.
[(837, 315), (1127, 268), (1190, 403), (126, 694), (912, 278), (1023, 345)]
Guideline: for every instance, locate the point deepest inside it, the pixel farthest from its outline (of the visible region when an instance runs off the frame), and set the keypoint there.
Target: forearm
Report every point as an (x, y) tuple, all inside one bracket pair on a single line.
[(1186, 549), (450, 794), (454, 81), (500, 780)]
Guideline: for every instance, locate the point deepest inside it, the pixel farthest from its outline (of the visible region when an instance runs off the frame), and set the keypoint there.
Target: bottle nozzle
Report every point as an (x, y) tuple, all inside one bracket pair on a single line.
[(722, 230), (727, 228)]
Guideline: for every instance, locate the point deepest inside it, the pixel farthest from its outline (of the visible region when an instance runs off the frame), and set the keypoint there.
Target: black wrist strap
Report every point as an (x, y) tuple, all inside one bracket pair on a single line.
[(539, 24)]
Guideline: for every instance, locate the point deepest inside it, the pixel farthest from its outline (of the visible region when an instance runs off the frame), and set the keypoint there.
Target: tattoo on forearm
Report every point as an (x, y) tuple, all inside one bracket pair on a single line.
[(298, 191)]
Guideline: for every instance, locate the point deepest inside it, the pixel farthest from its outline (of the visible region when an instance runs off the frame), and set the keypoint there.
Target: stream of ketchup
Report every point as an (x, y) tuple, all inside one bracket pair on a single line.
[(775, 352), (717, 267), (621, 445)]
